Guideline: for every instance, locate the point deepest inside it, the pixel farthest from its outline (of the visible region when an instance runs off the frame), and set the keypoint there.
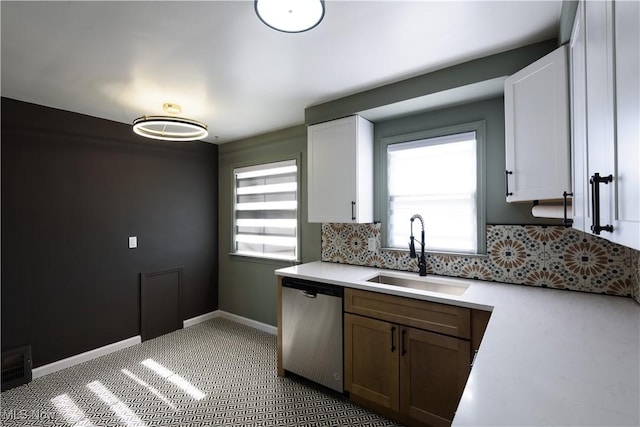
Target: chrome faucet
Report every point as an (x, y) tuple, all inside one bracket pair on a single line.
[(422, 262)]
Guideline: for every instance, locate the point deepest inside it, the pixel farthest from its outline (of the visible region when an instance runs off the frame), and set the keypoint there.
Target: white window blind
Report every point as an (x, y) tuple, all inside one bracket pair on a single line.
[(266, 210), (436, 178)]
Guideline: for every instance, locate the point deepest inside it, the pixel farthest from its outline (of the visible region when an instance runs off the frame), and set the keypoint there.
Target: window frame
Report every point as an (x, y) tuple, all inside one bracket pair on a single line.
[(479, 127), (297, 158)]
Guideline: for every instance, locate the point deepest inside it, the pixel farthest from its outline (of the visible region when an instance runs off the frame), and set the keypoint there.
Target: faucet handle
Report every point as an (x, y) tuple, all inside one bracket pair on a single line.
[(412, 248)]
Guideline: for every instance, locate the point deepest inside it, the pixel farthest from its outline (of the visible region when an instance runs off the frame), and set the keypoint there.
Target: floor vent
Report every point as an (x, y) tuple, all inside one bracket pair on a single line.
[(16, 367)]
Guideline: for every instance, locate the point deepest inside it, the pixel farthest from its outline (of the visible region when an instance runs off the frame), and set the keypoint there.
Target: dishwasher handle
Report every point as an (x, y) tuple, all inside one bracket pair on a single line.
[(312, 289)]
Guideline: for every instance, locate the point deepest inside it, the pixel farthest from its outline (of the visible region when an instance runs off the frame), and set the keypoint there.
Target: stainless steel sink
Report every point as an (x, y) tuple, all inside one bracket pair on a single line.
[(427, 284)]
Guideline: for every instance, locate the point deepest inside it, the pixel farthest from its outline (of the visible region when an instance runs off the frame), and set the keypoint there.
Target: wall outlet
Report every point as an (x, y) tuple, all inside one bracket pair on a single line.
[(133, 242), (372, 244)]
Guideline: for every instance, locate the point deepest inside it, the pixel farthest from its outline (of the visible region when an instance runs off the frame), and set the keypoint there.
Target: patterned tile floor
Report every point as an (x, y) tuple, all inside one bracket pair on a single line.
[(218, 373)]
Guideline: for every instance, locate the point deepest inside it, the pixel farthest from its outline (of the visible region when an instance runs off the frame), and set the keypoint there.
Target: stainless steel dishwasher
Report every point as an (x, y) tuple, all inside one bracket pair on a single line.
[(312, 331)]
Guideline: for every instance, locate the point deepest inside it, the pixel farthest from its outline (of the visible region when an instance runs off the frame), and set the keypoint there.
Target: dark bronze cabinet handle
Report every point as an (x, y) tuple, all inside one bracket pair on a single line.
[(567, 222), (595, 182), (353, 211), (404, 348), (506, 182), (393, 339)]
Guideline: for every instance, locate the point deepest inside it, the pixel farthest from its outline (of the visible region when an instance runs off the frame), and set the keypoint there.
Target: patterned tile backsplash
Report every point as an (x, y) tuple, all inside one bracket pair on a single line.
[(534, 255)]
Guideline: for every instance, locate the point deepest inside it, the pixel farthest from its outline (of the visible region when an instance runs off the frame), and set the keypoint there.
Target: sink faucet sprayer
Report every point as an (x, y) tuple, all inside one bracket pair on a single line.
[(422, 262)]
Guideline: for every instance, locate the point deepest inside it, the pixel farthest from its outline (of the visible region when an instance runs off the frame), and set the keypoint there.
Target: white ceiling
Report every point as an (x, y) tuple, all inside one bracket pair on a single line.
[(122, 60)]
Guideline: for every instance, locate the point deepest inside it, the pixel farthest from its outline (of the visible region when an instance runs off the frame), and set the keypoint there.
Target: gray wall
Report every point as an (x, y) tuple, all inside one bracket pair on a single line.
[(498, 211), (567, 16), (247, 286)]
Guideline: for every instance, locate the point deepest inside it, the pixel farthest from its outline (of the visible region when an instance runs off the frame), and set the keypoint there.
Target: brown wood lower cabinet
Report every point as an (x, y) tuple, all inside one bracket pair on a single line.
[(418, 373), (408, 373), (433, 371), (371, 367)]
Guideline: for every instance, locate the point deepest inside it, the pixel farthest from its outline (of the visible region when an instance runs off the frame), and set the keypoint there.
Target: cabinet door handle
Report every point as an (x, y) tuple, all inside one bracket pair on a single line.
[(595, 182), (393, 339), (506, 182), (567, 222), (473, 361), (404, 348), (353, 211)]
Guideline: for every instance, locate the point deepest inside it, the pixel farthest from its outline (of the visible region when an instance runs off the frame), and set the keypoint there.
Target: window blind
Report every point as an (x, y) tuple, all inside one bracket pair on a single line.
[(437, 178), (265, 211)]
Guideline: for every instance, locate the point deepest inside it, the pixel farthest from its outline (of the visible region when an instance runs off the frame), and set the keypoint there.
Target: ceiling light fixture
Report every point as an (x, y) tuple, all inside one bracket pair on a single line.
[(290, 16), (170, 128)]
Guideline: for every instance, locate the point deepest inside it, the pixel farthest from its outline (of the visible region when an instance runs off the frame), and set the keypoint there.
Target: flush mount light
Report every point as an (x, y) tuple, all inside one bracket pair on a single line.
[(290, 16), (170, 128)]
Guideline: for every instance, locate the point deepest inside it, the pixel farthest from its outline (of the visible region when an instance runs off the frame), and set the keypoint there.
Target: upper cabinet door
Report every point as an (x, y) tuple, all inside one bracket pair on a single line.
[(578, 75), (537, 130), (340, 179), (599, 104), (626, 210), (605, 74)]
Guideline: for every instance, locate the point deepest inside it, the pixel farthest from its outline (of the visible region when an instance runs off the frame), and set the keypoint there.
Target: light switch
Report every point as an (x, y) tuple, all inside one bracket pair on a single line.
[(133, 242), (372, 244)]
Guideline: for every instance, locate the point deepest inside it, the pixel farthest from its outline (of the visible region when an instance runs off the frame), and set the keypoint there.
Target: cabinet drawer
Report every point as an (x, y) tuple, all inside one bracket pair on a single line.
[(430, 316)]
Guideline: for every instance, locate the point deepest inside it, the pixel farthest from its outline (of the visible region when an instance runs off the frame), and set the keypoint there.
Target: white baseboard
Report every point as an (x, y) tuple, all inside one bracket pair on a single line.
[(233, 317), (200, 319), (84, 357), (102, 351), (249, 322)]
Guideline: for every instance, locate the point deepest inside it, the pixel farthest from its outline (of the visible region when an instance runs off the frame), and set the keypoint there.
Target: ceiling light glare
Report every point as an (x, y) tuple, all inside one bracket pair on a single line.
[(290, 16), (167, 128)]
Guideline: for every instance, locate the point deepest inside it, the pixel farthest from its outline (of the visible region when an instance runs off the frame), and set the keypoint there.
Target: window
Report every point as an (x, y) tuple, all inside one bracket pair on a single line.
[(266, 210), (439, 178)]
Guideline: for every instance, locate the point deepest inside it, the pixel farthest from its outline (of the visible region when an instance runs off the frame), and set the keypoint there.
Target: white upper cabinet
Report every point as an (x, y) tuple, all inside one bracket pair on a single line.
[(340, 165), (605, 76), (626, 209), (537, 130)]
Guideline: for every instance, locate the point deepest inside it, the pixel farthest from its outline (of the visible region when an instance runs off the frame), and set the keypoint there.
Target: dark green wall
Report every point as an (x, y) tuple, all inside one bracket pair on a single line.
[(247, 286)]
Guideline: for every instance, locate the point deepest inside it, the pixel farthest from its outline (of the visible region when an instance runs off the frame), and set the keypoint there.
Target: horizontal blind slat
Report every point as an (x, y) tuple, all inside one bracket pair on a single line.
[(259, 206), (286, 166), (267, 188)]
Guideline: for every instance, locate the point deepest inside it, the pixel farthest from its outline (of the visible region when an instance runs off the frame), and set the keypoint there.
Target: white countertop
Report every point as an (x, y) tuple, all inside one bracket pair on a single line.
[(548, 357)]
